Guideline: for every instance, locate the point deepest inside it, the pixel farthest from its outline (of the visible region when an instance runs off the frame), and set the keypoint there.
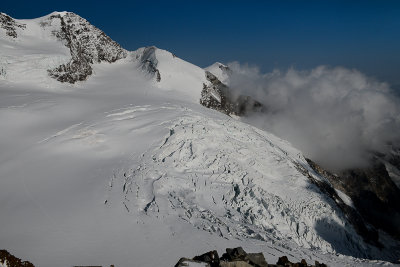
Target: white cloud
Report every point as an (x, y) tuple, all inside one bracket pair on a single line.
[(334, 115)]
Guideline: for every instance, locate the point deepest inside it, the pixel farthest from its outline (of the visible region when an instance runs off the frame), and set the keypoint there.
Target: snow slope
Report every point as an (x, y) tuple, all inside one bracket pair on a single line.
[(220, 70), (173, 73), (124, 170)]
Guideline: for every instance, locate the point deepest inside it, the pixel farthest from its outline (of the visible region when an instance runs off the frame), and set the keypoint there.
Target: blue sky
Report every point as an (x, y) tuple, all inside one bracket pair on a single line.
[(270, 34)]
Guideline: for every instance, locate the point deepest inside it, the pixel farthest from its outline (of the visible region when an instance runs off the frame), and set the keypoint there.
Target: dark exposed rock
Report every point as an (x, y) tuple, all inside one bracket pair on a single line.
[(369, 235), (317, 264), (375, 197), (257, 259), (218, 96), (210, 257), (9, 24), (87, 44), (233, 254), (183, 262), (149, 62), (235, 264), (237, 257), (12, 261), (303, 262), (238, 254), (283, 260)]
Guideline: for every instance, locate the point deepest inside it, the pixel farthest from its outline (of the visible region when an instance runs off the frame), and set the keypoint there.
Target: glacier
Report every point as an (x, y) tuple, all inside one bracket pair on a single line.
[(127, 168)]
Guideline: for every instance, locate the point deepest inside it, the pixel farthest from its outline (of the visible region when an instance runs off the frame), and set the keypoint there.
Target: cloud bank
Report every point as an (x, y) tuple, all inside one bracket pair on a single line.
[(336, 116)]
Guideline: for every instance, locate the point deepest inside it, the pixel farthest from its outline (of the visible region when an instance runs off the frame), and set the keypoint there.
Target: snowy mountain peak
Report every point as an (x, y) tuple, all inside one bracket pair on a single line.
[(148, 61), (87, 45), (171, 72), (221, 71), (58, 13)]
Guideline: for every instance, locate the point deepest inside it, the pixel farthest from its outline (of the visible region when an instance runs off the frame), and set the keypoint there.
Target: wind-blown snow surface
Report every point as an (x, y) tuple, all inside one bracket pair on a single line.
[(119, 170)]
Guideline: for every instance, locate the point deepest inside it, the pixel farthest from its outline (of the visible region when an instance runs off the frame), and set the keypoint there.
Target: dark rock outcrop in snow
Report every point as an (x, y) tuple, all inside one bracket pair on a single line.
[(87, 44), (374, 194), (218, 96), (237, 257), (10, 260), (9, 25), (149, 62), (369, 235), (210, 257)]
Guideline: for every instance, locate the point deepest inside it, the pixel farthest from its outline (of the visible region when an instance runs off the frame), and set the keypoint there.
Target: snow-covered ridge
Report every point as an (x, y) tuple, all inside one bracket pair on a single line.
[(171, 73), (221, 71)]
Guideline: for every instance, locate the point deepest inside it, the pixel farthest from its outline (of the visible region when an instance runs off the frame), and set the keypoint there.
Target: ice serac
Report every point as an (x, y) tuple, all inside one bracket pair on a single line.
[(235, 181)]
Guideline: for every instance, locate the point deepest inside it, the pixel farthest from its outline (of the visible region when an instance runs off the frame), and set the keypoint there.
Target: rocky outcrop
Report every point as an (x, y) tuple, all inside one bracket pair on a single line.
[(237, 257), (211, 258), (368, 234), (87, 44), (148, 62), (374, 195), (10, 25), (218, 96), (9, 260)]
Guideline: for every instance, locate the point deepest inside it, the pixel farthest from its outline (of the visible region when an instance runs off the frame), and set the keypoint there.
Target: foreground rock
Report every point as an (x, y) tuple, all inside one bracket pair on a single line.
[(237, 257), (9, 260)]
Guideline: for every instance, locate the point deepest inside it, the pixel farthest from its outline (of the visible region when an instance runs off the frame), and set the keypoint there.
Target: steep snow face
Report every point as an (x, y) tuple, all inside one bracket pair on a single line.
[(172, 73), (180, 75)]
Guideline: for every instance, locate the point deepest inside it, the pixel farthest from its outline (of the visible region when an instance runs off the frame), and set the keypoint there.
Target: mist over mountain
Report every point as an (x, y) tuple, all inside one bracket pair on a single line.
[(336, 116)]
